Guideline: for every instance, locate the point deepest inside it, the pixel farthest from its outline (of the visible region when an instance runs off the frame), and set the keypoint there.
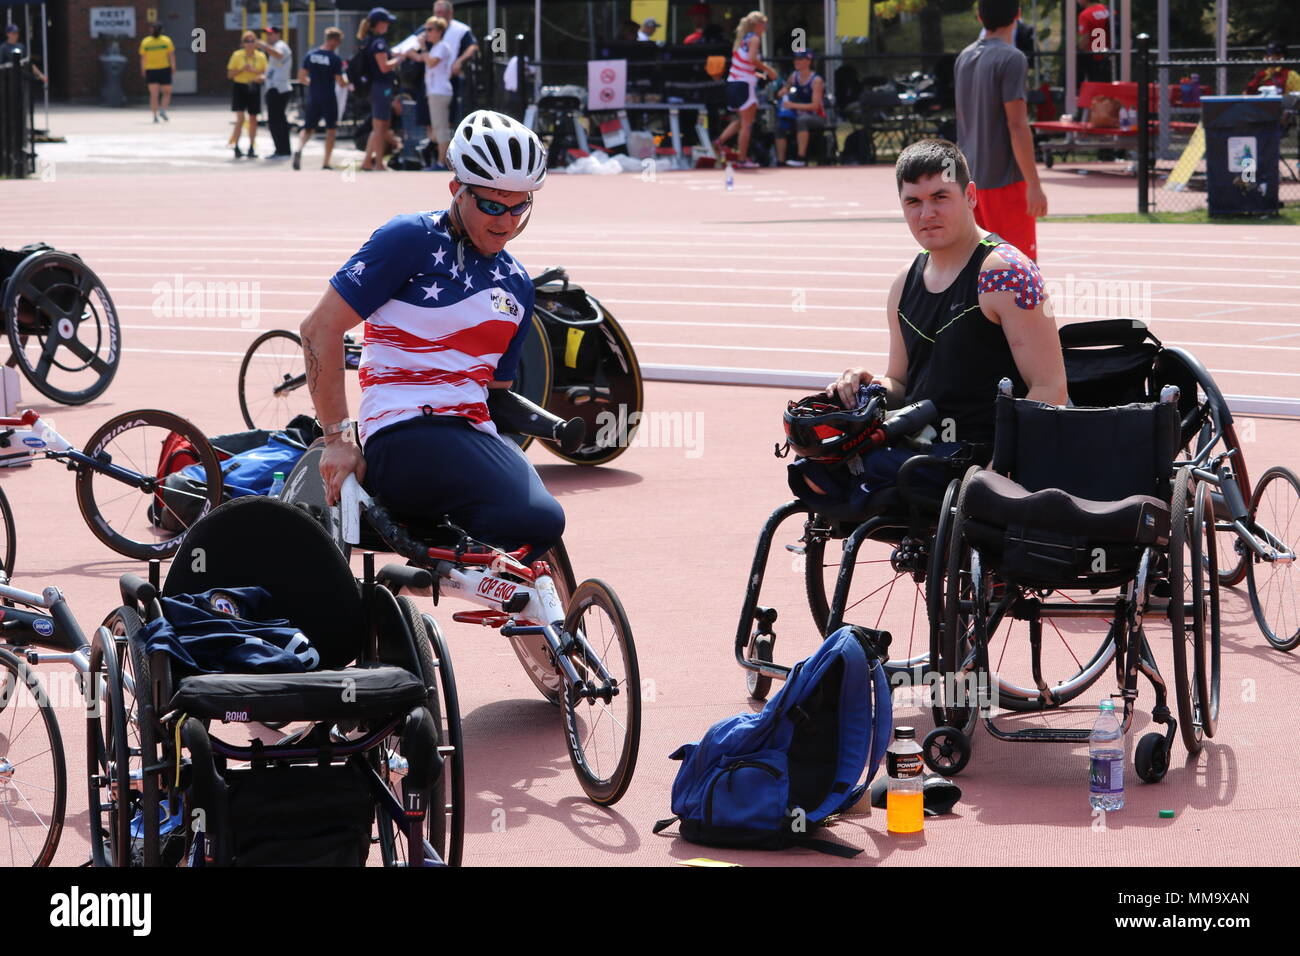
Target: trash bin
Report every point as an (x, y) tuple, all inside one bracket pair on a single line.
[(1243, 135), (112, 64)]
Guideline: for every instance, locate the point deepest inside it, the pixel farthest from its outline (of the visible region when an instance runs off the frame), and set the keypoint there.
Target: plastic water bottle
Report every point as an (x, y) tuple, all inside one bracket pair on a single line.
[(1106, 759), (277, 485), (730, 178), (905, 800)]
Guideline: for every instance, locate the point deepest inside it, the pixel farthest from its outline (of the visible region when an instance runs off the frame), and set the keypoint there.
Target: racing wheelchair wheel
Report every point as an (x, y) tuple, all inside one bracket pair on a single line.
[(1232, 552), (273, 381), (531, 649), (602, 733), (892, 578), (1275, 508), (33, 776), (1193, 612), (63, 330), (8, 536), (122, 500), (108, 759)]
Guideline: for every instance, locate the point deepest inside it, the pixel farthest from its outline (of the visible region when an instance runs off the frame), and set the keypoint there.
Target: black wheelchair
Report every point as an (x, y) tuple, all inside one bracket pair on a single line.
[(63, 331), (1082, 514), (578, 363), (363, 753)]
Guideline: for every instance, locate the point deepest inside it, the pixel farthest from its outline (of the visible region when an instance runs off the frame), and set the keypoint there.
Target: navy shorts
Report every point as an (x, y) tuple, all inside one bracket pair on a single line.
[(322, 109), (439, 465), (381, 101), (879, 471)]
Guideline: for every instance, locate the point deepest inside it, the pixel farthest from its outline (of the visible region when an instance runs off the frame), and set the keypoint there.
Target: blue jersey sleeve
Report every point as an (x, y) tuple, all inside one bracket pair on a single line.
[(508, 367), (380, 268)]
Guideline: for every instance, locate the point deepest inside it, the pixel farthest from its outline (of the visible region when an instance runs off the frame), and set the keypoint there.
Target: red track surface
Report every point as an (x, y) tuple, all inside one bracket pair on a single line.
[(699, 277)]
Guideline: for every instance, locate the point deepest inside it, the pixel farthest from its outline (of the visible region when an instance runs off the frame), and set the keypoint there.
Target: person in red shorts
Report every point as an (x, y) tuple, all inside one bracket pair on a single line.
[(993, 129)]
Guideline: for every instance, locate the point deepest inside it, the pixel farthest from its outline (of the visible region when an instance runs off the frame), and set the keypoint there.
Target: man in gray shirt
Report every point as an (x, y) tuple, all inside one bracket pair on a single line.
[(993, 129), (279, 88)]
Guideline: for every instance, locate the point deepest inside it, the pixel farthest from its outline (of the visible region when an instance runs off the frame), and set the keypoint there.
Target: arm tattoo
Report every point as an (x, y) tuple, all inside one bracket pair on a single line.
[(313, 365), (1021, 276)]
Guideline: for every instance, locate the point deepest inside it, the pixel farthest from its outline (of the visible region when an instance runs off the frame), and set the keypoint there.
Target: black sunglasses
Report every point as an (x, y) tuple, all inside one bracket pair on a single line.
[(491, 207)]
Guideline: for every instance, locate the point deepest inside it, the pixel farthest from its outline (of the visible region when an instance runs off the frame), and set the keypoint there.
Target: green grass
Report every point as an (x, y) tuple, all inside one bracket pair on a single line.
[(1290, 216)]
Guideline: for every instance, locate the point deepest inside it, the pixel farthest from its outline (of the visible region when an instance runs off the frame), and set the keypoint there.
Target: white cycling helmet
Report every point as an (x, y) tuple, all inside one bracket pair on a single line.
[(489, 149)]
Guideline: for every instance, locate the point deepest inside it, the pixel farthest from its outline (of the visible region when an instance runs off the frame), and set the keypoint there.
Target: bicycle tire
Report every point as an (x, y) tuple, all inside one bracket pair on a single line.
[(257, 410), (9, 546), (1284, 633), (20, 672)]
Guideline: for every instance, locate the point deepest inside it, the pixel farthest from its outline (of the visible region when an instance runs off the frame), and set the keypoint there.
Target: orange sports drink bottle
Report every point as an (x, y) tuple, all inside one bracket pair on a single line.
[(905, 801)]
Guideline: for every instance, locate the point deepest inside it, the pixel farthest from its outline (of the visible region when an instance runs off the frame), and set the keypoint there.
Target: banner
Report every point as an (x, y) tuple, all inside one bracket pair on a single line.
[(853, 18), (606, 84)]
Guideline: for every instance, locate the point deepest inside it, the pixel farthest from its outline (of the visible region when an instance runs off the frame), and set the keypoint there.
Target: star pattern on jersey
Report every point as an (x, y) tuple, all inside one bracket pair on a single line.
[(1021, 277), (469, 281), (496, 274), (439, 256), (433, 291), (514, 268)]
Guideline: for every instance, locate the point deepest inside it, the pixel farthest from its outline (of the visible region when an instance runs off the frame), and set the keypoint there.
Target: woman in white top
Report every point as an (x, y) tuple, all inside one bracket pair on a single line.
[(742, 83)]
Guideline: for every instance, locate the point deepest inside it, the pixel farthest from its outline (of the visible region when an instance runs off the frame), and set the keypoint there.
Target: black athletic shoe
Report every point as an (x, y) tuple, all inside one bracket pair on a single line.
[(297, 160), (238, 154), (251, 154)]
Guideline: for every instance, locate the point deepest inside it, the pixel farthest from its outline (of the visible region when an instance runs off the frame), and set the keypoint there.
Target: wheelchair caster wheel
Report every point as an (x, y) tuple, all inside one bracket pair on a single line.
[(758, 685), (1151, 759), (946, 751)]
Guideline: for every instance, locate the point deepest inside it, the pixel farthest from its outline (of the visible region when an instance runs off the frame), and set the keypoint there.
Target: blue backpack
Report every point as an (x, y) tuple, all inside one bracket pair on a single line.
[(764, 780)]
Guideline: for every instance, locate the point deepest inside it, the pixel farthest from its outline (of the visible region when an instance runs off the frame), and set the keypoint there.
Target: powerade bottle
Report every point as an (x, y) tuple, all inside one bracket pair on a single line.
[(730, 178), (1106, 760), (905, 801), (277, 485)]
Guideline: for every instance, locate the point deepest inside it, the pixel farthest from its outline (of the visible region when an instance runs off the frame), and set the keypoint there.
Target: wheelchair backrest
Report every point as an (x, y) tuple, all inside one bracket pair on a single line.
[(257, 541), (1104, 454)]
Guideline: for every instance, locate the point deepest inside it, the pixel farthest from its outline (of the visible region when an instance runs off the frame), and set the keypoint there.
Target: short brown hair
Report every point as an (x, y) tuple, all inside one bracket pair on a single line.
[(931, 157), (334, 33)]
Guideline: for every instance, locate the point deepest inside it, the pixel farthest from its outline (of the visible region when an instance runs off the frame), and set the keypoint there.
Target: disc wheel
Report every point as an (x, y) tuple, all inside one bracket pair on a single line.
[(122, 498), (533, 378), (33, 776), (8, 536), (63, 330), (602, 736), (887, 590), (1194, 609), (1275, 511), (612, 410), (108, 758), (273, 381)]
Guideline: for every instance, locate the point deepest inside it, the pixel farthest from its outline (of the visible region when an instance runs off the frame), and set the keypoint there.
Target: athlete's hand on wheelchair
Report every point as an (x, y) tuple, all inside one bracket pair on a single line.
[(340, 459)]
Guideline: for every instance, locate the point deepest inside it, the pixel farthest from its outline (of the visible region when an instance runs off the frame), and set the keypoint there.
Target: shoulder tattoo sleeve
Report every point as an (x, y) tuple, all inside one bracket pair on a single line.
[(1021, 276)]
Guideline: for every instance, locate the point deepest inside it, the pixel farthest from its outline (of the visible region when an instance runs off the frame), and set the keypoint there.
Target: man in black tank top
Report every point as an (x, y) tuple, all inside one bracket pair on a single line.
[(969, 311)]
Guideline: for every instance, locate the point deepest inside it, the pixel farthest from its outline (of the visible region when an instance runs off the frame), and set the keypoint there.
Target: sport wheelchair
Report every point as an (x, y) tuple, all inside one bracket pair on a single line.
[(578, 363), (366, 746), (1084, 500), (63, 331)]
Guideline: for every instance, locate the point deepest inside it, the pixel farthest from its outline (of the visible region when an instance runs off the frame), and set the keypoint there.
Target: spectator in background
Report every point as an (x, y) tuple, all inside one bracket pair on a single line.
[(438, 58), (706, 31), (322, 74), (157, 61), (1284, 78), (628, 32), (246, 69), (993, 129), (1094, 42), (379, 67), (804, 94), (462, 42), (742, 84), (279, 59), (647, 30)]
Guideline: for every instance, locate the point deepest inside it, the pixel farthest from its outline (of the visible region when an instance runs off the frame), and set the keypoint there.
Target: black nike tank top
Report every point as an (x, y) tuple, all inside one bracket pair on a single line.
[(955, 355)]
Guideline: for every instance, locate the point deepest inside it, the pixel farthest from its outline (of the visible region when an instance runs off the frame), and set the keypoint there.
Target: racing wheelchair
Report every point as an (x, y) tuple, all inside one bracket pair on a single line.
[(171, 782), (1089, 501), (63, 331), (578, 363)]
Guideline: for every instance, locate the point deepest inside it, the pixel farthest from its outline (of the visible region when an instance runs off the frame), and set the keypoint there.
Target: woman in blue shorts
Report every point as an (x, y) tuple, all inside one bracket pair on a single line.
[(379, 67)]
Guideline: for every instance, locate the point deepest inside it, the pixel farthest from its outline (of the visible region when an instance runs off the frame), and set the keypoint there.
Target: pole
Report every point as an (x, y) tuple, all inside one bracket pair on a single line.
[(1144, 124), (1126, 43), (45, 58), (262, 9), (311, 23), (537, 50), (1037, 59), (1221, 46), (1070, 47), (1162, 74)]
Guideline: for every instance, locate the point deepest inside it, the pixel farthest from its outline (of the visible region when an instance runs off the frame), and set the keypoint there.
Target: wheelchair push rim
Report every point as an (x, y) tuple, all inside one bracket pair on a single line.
[(63, 330)]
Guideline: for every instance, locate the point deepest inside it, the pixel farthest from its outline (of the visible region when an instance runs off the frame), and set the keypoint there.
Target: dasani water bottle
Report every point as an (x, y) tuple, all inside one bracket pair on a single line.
[(1106, 760)]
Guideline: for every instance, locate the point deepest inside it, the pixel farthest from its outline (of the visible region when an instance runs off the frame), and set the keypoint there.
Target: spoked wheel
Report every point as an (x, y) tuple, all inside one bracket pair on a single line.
[(63, 329), (273, 381), (1194, 609), (1275, 512), (531, 649), (1232, 553), (950, 649), (123, 501), (887, 591), (108, 757), (33, 777), (8, 536), (607, 402), (1072, 655), (602, 732)]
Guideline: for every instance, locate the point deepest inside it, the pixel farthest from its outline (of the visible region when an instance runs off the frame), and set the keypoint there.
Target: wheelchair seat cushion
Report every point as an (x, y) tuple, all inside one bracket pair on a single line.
[(353, 692), (998, 501)]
